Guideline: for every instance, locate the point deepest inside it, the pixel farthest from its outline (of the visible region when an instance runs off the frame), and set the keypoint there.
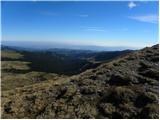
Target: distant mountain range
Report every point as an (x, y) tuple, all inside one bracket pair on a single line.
[(30, 45), (63, 61)]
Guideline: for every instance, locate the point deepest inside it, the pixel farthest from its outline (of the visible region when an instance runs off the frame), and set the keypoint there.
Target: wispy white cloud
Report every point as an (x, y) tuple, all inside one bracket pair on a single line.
[(121, 29), (132, 4), (49, 13), (83, 15), (152, 18), (96, 29)]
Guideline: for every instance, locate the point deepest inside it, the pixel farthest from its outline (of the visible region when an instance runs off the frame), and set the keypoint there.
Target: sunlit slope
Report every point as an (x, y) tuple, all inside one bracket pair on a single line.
[(123, 88)]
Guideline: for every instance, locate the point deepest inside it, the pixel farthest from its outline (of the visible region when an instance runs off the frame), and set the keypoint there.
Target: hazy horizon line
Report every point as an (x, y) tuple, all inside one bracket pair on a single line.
[(72, 44), (46, 45)]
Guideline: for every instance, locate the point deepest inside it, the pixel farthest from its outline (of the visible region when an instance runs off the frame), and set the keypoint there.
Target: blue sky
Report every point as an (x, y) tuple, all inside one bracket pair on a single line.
[(129, 23)]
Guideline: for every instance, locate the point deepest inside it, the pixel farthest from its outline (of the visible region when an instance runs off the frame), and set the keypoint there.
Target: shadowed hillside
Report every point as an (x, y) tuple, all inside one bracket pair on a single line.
[(126, 87), (59, 61), (21, 67), (17, 73)]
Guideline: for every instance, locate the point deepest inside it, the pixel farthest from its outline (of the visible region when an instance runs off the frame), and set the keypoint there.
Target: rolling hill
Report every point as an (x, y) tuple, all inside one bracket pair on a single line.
[(124, 87)]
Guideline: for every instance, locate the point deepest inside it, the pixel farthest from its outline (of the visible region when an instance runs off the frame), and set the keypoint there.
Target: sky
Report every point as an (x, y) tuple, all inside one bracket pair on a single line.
[(127, 23)]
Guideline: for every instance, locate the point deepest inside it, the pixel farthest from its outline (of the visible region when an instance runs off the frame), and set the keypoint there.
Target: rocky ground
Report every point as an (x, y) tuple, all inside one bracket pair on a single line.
[(126, 87)]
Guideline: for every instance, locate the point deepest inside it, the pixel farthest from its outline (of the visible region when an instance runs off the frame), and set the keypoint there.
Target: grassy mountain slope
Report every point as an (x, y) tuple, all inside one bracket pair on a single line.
[(21, 67), (60, 61), (43, 61), (123, 88), (17, 73)]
